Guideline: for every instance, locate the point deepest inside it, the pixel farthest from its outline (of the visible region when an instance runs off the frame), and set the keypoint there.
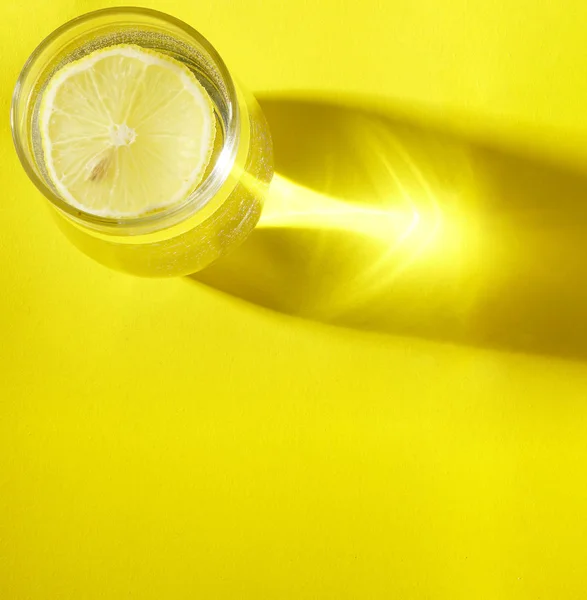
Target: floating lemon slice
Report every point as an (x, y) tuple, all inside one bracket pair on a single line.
[(125, 131)]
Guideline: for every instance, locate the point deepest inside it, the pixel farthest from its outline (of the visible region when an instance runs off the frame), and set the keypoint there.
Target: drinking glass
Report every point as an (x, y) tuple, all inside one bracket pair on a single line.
[(219, 214)]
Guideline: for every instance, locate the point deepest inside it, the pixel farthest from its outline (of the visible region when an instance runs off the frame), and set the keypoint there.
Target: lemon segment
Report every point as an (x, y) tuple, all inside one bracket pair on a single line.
[(125, 131)]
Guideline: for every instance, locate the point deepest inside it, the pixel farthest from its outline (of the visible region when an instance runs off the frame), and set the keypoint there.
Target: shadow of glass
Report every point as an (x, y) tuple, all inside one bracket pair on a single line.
[(377, 223)]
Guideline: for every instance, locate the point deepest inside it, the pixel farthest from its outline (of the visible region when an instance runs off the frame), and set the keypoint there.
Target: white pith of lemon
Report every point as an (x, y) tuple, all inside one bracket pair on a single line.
[(125, 131)]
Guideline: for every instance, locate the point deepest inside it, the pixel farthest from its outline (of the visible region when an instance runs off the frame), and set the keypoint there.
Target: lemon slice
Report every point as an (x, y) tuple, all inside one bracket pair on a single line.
[(125, 131)]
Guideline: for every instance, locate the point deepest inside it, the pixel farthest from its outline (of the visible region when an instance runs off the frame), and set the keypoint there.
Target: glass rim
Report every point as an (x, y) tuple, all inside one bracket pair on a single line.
[(198, 198)]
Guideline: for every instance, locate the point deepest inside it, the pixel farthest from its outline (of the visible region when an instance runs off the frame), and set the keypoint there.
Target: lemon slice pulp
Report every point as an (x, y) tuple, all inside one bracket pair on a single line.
[(125, 131)]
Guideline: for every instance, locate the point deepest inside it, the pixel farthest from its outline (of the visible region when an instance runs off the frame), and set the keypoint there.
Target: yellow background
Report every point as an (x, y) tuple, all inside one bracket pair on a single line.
[(163, 439)]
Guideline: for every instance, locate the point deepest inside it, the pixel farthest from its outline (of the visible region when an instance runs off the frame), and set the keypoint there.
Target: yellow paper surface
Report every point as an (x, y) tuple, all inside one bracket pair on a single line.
[(416, 434)]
